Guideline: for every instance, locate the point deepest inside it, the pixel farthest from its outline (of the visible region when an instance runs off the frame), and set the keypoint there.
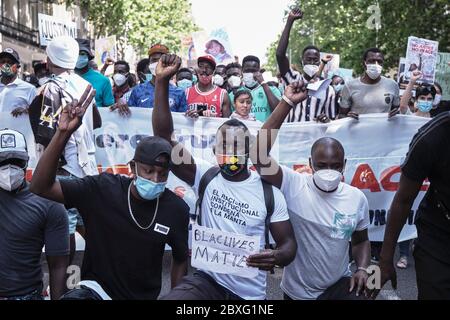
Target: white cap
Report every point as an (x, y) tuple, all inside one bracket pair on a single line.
[(63, 52), (12, 145)]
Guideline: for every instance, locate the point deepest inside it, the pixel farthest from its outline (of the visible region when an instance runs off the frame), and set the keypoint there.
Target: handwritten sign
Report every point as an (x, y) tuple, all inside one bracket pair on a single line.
[(421, 54), (223, 252)]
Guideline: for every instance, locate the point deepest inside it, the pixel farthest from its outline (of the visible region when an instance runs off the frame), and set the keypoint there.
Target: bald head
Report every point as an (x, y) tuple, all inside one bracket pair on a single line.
[(327, 153)]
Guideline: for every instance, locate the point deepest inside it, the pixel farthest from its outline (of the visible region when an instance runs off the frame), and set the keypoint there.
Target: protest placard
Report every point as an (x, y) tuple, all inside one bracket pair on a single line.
[(332, 66), (51, 27), (216, 44), (421, 54), (105, 48), (223, 252)]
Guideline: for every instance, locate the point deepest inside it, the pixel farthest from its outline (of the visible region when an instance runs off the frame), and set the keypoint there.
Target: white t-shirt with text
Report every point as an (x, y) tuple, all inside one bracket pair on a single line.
[(239, 207)]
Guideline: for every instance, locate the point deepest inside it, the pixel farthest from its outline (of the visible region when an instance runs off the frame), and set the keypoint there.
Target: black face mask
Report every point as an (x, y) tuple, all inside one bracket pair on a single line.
[(233, 165)]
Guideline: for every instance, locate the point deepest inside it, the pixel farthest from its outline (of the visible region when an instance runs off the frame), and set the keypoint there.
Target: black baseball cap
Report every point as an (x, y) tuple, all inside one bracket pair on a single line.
[(10, 52), (85, 45), (150, 148)]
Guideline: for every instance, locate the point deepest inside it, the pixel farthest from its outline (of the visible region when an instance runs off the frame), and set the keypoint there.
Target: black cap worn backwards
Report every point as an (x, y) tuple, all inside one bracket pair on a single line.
[(150, 148)]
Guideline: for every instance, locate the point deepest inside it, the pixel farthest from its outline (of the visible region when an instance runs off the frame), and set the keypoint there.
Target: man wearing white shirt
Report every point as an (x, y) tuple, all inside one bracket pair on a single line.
[(238, 197), (15, 95), (325, 213), (64, 86)]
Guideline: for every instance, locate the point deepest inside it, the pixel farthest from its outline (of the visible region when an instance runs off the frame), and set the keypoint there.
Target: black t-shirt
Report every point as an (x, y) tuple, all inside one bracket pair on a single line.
[(27, 223), (124, 259), (429, 157)]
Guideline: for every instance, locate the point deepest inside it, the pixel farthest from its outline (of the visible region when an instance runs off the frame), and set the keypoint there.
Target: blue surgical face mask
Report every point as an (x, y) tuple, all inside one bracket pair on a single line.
[(194, 79), (148, 189), (338, 87), (184, 84), (82, 62), (424, 106), (148, 77)]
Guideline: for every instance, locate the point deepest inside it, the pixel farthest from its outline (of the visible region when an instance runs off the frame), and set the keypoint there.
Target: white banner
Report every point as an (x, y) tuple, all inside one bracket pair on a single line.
[(223, 252), (374, 146), (51, 27)]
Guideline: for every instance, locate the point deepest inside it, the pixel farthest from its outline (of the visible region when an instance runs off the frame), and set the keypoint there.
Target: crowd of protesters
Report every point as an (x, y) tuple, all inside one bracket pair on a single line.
[(319, 224)]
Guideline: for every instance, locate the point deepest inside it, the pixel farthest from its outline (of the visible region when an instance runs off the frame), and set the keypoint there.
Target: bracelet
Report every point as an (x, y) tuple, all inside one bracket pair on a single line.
[(362, 269), (289, 102), (324, 62)]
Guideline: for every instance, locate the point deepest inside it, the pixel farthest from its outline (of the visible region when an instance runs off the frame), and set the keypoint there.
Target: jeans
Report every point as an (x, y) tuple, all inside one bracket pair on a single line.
[(404, 248)]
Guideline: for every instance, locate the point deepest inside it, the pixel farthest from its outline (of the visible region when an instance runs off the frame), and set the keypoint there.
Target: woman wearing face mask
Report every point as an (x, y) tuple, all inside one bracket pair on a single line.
[(337, 82), (424, 97), (439, 105), (243, 105)]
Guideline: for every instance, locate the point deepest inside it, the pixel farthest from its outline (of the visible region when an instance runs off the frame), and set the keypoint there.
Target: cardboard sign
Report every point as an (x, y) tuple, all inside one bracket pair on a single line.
[(223, 252)]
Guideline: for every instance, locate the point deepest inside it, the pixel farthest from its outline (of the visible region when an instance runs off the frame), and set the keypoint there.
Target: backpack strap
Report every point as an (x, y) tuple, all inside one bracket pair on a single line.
[(268, 199), (204, 181), (270, 205)]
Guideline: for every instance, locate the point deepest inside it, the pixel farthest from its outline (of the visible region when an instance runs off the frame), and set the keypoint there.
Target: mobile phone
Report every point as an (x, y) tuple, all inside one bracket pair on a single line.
[(201, 108)]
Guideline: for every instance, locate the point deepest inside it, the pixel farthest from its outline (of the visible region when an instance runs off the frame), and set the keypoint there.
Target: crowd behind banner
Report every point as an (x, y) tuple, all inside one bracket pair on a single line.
[(372, 167), (347, 154)]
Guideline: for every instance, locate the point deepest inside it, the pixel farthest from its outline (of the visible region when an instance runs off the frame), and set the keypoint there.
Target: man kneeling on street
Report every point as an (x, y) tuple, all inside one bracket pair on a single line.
[(128, 221)]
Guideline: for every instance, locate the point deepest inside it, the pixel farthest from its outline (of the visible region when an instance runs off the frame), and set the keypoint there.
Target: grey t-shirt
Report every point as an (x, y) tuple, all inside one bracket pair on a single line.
[(370, 98), (27, 223)]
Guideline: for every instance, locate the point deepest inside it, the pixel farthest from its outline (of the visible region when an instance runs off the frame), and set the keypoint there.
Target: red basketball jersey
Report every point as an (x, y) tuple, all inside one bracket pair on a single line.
[(211, 100)]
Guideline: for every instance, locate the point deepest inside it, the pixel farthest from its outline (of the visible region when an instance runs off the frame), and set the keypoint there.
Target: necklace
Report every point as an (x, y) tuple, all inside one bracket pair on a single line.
[(131, 211)]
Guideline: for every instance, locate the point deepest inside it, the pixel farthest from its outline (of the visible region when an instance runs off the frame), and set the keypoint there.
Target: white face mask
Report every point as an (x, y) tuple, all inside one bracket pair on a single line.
[(234, 81), (11, 177), (43, 81), (218, 80), (249, 80), (437, 99), (119, 79), (374, 70), (327, 180), (310, 69), (152, 68)]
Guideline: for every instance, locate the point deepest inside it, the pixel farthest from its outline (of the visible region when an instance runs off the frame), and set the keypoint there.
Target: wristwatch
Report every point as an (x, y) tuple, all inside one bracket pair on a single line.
[(324, 62)]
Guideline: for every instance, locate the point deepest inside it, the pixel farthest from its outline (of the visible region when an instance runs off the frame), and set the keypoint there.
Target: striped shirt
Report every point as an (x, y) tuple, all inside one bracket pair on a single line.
[(312, 107)]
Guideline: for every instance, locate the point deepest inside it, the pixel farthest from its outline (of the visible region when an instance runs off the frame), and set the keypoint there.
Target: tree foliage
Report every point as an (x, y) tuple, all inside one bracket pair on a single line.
[(141, 22), (341, 26)]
